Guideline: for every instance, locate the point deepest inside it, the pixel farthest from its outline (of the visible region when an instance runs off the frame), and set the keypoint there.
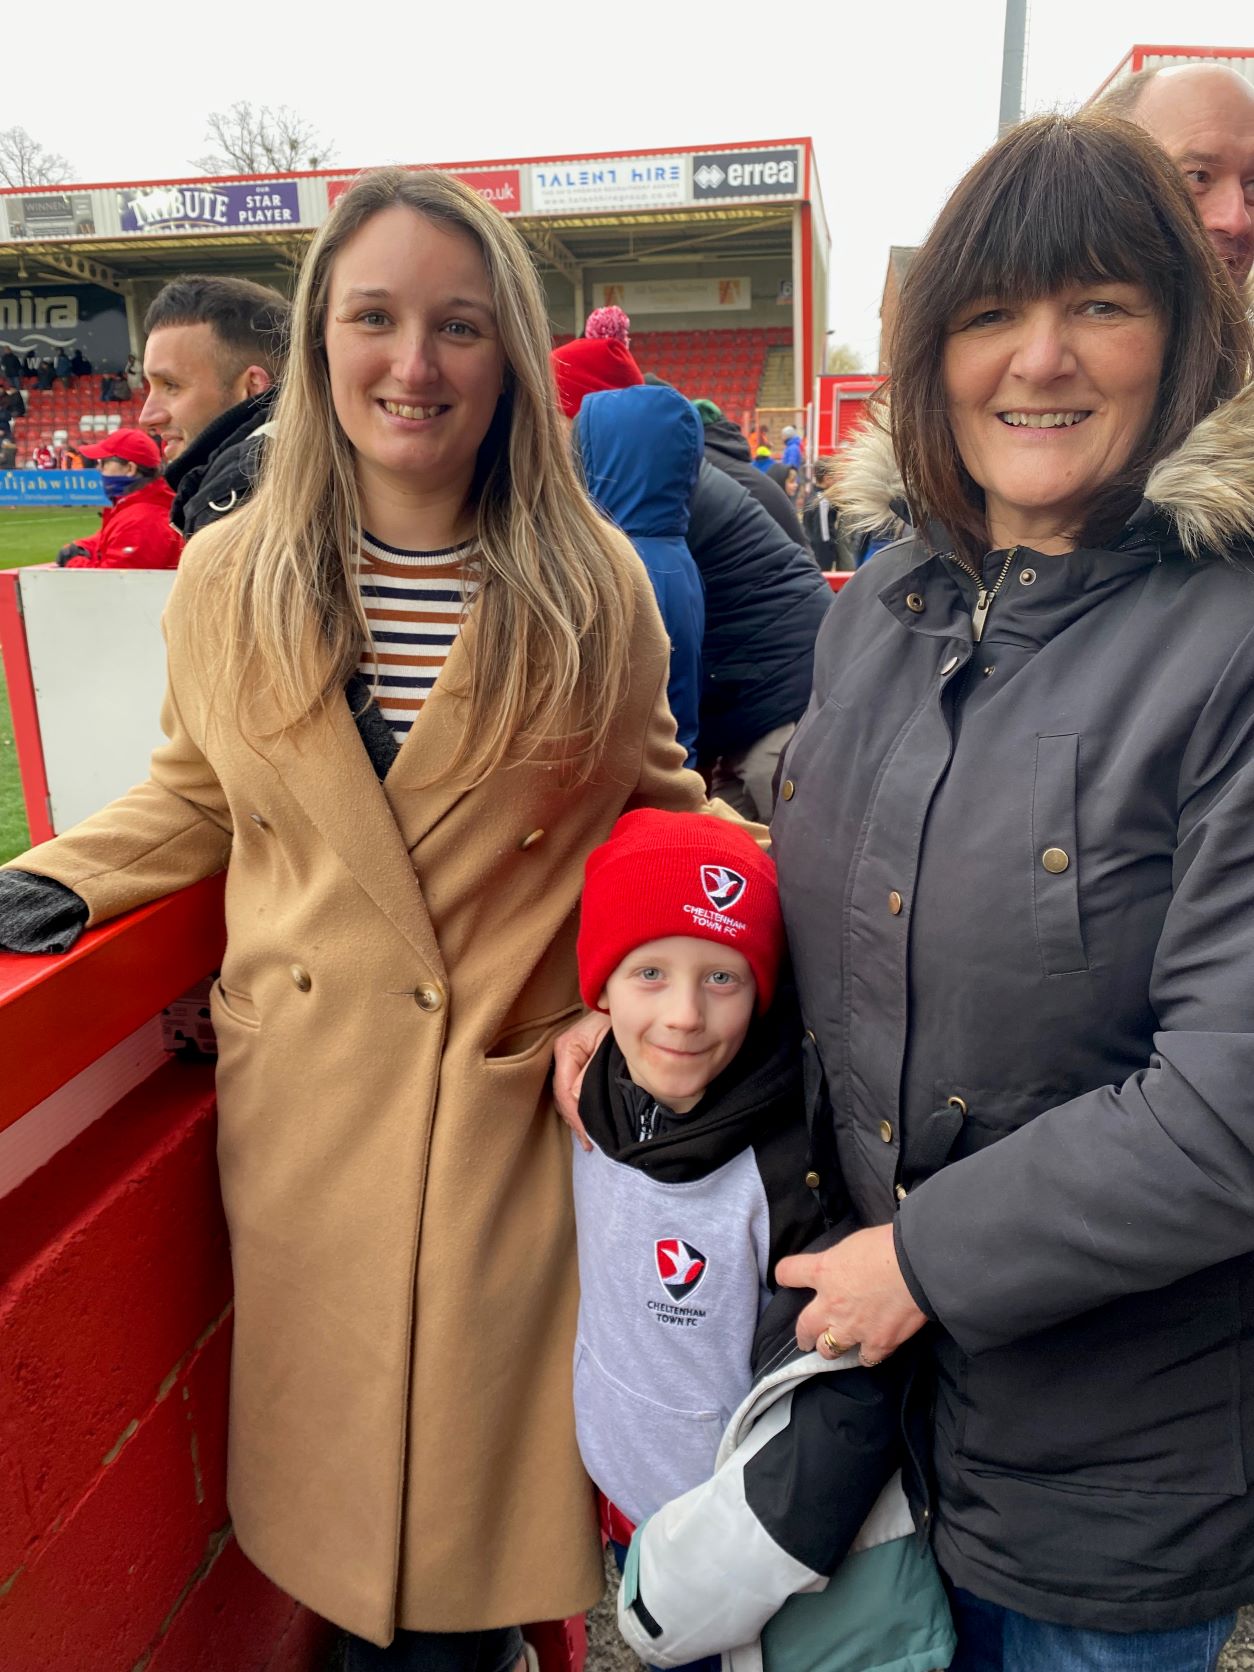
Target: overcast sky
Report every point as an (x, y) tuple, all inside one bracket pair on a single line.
[(900, 96)]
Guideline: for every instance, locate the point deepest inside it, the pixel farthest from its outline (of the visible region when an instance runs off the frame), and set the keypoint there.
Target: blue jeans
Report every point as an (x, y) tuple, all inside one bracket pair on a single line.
[(995, 1639)]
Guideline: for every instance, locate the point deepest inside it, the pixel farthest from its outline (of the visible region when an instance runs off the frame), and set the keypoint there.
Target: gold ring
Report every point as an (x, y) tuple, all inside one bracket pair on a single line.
[(829, 1341)]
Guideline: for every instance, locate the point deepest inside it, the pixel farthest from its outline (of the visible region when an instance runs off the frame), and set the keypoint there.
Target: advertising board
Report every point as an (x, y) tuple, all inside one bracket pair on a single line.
[(29, 488), (210, 207), (729, 174), (609, 183), (51, 215), (654, 296), (48, 317), (501, 187)]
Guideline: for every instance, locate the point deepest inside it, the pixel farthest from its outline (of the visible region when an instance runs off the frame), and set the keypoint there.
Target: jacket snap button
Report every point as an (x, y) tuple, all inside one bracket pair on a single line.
[(900, 1192), (530, 841), (956, 1103), (810, 1036), (262, 824), (886, 1131), (812, 1181), (949, 666), (301, 978), (914, 602), (788, 789), (895, 903), (1027, 577), (429, 999), (1055, 860)]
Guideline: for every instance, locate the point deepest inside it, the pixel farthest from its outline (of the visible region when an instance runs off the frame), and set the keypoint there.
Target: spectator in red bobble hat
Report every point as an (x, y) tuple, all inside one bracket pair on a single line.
[(600, 359), (135, 530)]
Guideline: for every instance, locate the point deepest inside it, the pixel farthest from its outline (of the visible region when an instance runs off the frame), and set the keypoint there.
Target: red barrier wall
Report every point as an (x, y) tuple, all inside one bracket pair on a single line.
[(115, 1319)]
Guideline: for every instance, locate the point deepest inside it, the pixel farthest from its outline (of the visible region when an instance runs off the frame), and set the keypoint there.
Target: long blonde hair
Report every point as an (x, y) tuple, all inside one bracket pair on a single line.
[(550, 649)]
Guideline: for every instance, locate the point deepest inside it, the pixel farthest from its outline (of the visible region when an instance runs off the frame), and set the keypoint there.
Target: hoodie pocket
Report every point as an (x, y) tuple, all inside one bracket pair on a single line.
[(1056, 857), (640, 1451)]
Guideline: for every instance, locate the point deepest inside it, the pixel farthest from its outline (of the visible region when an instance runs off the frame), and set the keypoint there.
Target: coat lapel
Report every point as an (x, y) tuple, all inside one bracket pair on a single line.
[(323, 763)]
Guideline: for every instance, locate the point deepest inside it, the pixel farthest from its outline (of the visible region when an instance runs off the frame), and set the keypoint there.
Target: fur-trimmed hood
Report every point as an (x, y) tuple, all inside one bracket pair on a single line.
[(1204, 490)]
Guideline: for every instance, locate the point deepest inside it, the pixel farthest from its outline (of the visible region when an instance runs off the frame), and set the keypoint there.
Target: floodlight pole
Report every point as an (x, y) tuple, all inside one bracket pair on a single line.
[(1012, 56)]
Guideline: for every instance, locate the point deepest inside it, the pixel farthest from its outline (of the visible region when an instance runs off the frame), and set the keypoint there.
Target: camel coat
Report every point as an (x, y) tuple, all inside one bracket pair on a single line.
[(396, 1181)]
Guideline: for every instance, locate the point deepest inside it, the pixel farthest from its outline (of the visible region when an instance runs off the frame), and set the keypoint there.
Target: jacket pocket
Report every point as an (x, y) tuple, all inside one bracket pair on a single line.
[(526, 1040), (1056, 857), (1142, 1395)]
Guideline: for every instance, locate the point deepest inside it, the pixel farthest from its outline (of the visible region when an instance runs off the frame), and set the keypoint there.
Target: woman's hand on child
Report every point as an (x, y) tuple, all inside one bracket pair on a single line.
[(572, 1052), (860, 1296)]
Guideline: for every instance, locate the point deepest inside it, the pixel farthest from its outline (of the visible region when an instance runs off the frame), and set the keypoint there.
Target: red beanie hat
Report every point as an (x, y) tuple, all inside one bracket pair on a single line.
[(664, 874), (600, 359)]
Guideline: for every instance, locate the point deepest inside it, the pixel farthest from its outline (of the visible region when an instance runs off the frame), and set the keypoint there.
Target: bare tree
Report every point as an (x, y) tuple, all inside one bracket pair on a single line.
[(24, 161), (842, 360), (250, 140)]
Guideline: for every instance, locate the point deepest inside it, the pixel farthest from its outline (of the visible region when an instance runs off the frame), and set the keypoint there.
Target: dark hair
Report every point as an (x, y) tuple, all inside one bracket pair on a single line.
[(1062, 200), (249, 320)]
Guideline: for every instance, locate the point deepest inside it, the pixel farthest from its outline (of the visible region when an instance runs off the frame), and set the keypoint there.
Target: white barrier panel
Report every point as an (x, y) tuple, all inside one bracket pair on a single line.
[(98, 663)]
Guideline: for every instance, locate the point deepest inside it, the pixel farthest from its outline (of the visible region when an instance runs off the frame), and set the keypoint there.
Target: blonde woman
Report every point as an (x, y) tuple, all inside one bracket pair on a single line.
[(402, 878)]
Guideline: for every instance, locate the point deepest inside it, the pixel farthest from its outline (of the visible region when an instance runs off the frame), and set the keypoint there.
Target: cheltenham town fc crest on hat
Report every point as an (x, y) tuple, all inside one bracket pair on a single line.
[(680, 1266), (723, 886)]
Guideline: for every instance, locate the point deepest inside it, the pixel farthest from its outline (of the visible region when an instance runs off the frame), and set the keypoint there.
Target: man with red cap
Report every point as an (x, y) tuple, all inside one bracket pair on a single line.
[(135, 530)]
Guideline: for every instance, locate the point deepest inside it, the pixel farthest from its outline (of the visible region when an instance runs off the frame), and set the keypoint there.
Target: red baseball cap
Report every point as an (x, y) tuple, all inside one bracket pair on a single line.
[(135, 446)]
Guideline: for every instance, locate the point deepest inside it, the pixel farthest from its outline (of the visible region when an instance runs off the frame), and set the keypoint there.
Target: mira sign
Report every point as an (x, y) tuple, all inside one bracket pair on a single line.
[(211, 207)]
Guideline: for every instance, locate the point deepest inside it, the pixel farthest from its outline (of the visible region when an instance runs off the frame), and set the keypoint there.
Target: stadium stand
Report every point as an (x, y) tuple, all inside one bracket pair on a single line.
[(724, 366), (51, 410)]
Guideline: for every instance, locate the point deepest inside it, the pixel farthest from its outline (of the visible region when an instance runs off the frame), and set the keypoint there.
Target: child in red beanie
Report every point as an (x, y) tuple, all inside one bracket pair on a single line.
[(700, 1177)]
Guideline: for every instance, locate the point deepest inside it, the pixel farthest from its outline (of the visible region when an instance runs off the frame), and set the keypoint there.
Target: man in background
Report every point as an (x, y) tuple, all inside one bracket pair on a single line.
[(1203, 117), (212, 362)]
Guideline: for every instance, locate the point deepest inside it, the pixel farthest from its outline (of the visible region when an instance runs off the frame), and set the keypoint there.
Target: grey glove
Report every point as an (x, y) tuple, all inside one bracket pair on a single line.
[(38, 914)]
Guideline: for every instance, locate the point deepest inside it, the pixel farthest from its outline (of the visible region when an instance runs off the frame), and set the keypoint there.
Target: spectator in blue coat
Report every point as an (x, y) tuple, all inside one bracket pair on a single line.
[(792, 454), (641, 449)]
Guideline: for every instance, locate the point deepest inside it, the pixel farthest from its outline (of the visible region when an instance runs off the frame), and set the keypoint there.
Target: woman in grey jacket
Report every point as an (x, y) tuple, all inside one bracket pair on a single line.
[(1015, 840)]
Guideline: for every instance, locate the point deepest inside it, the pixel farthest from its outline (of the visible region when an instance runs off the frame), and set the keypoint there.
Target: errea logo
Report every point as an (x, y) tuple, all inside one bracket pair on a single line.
[(709, 177)]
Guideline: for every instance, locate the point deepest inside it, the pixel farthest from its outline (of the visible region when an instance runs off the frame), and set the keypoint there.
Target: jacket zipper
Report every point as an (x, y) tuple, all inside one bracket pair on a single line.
[(984, 600)]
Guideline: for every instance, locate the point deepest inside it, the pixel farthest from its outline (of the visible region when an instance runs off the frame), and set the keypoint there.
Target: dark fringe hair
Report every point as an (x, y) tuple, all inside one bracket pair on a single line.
[(1057, 201)]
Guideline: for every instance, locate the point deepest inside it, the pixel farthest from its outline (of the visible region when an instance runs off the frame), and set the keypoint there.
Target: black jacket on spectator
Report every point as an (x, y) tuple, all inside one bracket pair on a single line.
[(218, 470), (764, 603), (726, 447)]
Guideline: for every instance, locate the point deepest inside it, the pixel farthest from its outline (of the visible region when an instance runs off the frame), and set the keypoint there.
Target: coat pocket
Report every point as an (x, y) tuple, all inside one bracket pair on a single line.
[(526, 1040), (1056, 857), (1142, 1395), (235, 1006)]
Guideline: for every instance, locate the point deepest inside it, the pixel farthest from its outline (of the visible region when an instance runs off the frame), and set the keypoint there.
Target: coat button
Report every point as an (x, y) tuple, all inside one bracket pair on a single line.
[(956, 1103), (1027, 577), (914, 603), (886, 1131), (429, 999), (810, 1036), (812, 1181), (1055, 860), (301, 978), (895, 903), (788, 789), (900, 1192), (949, 666), (530, 841), (262, 824)]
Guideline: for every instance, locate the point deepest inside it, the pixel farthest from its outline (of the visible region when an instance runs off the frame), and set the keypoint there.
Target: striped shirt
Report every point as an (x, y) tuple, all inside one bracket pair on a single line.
[(415, 603)]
